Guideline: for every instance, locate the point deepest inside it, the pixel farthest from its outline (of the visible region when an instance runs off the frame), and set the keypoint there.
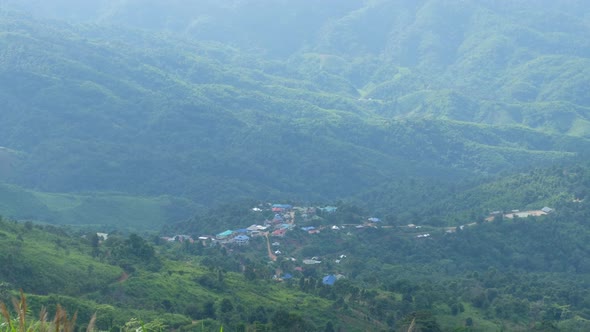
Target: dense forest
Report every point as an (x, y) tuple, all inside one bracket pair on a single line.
[(105, 106), (430, 158)]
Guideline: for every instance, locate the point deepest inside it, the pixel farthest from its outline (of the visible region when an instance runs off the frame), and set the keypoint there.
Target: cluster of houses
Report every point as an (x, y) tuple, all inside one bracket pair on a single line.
[(282, 222), (520, 214)]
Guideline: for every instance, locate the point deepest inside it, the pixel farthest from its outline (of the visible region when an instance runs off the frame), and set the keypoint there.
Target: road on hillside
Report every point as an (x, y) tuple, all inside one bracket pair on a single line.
[(272, 256)]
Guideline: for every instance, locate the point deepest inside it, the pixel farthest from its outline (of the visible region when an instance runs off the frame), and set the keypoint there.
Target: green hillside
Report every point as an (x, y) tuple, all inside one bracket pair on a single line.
[(93, 108), (125, 278), (510, 273), (520, 274), (450, 139), (95, 210)]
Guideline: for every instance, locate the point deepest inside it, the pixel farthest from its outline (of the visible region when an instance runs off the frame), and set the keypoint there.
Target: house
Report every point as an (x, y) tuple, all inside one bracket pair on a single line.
[(256, 228), (329, 280), (279, 232), (547, 210), (275, 244), (287, 276), (307, 229), (182, 238), (313, 231), (285, 207), (374, 220), (102, 236), (336, 228), (241, 240), (311, 261), (281, 207), (224, 235), (299, 268), (329, 209)]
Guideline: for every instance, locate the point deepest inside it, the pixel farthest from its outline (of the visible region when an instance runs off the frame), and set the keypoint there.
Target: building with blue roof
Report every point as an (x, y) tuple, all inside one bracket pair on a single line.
[(224, 235), (329, 280), (329, 209), (241, 240)]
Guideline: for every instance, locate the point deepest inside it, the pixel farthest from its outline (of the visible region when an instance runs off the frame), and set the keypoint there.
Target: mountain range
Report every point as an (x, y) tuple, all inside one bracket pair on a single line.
[(215, 101)]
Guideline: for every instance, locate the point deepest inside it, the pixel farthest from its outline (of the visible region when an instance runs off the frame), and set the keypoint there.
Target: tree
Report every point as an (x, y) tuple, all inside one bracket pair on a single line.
[(226, 306), (423, 321), (283, 320), (329, 327), (94, 242), (209, 309)]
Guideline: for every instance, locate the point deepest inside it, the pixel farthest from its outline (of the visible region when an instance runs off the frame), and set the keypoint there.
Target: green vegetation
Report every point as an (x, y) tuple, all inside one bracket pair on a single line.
[(97, 210), (512, 274), (440, 117), (118, 108)]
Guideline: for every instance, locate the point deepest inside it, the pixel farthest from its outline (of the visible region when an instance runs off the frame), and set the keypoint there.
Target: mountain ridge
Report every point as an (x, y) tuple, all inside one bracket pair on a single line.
[(98, 107)]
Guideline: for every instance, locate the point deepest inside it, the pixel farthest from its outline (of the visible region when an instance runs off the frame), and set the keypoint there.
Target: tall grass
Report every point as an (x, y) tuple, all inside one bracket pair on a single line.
[(23, 323)]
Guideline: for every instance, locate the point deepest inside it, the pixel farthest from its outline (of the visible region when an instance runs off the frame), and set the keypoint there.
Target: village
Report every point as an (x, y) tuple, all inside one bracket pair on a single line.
[(284, 221)]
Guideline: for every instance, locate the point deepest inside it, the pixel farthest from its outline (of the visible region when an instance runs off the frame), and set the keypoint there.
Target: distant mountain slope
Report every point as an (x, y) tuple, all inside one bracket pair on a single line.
[(97, 107), (105, 211)]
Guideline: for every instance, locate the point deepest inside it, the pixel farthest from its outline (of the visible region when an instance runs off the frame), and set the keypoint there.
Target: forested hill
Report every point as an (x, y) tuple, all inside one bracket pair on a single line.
[(524, 273), (513, 51), (366, 93)]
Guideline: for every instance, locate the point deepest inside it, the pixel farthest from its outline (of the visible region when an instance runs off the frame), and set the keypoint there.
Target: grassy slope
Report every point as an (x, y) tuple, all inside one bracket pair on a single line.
[(30, 252), (102, 210)]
